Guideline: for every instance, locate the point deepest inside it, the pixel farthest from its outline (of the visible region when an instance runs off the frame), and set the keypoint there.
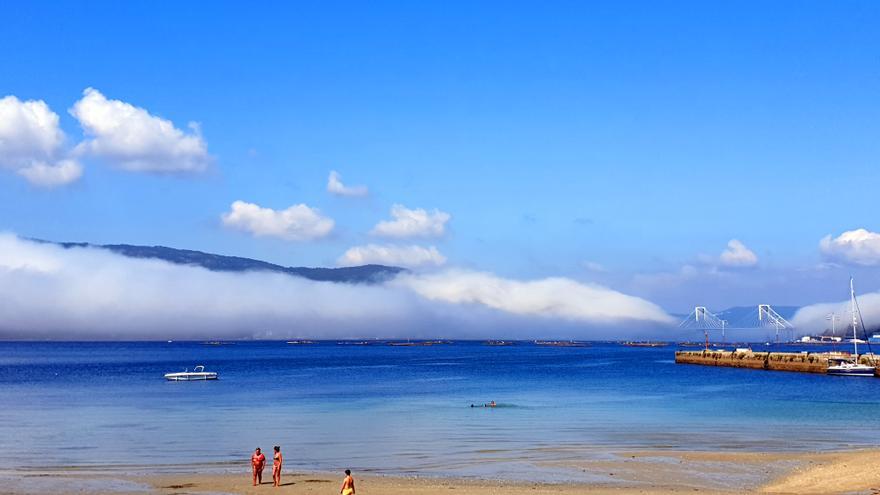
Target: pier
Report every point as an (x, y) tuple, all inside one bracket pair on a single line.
[(803, 362)]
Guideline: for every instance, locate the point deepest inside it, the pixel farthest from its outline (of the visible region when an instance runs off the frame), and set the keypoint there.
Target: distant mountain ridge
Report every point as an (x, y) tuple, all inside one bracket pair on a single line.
[(364, 274)]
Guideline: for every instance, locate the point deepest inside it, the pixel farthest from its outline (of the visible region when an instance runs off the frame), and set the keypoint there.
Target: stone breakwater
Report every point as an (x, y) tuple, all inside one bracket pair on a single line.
[(804, 362)]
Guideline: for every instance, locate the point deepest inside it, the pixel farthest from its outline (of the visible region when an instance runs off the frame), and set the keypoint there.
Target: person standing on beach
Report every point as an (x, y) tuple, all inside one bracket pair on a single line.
[(347, 484), (276, 466), (258, 462)]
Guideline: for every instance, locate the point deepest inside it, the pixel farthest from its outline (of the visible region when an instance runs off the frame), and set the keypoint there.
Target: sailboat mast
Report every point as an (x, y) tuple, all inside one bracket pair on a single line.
[(852, 293)]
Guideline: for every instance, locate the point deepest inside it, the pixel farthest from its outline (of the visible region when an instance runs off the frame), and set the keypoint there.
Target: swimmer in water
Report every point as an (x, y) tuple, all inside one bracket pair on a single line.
[(347, 484), (258, 462), (491, 404), (276, 466)]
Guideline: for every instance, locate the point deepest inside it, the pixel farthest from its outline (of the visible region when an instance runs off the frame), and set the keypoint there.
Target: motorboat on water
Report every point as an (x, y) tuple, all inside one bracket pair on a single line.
[(197, 374), (850, 366)]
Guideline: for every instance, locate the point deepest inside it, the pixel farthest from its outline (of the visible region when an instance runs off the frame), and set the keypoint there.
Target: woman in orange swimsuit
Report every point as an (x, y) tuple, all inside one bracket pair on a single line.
[(276, 466)]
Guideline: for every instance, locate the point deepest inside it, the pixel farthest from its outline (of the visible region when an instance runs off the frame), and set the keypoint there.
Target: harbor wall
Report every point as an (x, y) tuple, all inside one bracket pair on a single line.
[(802, 362)]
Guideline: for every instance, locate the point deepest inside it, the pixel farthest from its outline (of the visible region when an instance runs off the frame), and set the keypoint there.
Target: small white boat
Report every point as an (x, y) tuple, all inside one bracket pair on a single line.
[(846, 367), (197, 374)]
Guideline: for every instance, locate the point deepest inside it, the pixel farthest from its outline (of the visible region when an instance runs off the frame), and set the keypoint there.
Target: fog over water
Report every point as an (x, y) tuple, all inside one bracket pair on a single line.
[(814, 318), (49, 292)]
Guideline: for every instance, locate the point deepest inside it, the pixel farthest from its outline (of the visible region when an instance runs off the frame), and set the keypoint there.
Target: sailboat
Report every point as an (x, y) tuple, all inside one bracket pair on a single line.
[(846, 366)]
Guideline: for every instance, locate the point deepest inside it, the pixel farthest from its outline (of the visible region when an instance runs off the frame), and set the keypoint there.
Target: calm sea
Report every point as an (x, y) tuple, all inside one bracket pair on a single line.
[(405, 410)]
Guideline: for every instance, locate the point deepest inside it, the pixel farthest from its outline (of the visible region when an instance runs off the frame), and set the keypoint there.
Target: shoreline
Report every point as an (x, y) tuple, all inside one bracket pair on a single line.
[(623, 473)]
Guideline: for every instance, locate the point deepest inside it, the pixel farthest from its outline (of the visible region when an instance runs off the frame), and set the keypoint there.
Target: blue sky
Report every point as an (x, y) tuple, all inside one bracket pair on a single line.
[(617, 143)]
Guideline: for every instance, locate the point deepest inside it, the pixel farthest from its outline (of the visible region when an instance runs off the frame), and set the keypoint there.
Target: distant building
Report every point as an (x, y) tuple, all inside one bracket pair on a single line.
[(822, 339)]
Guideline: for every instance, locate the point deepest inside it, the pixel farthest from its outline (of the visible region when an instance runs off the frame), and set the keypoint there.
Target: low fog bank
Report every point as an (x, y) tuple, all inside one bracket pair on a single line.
[(48, 292), (813, 319)]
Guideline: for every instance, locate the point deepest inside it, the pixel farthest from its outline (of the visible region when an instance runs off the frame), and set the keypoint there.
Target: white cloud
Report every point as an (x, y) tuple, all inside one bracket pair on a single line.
[(860, 247), (407, 256), (592, 266), (738, 255), (132, 139), (28, 131), (412, 223), (550, 297), (31, 143), (45, 175), (297, 223), (335, 186), (47, 291)]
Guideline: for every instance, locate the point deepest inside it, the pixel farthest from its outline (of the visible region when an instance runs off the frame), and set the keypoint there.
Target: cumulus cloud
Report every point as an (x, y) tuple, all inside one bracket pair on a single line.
[(28, 131), (47, 291), (31, 143), (737, 255), (335, 186), (297, 223), (45, 175), (132, 139), (860, 247), (407, 256), (412, 223), (550, 297)]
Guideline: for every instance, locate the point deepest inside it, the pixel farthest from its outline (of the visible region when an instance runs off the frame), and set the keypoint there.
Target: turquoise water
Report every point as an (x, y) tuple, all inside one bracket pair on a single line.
[(406, 410)]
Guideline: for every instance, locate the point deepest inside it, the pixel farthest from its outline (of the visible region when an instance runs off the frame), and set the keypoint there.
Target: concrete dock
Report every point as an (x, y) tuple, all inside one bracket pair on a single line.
[(803, 362)]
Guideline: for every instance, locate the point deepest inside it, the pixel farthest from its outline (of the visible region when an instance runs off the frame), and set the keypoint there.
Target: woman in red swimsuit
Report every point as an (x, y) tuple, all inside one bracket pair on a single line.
[(258, 461), (276, 466)]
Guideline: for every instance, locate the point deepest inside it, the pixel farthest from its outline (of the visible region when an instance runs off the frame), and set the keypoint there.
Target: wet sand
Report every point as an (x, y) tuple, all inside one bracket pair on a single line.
[(649, 473)]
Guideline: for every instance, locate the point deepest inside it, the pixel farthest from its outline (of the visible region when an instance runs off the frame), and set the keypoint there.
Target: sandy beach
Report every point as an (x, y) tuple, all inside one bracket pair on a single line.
[(625, 473)]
